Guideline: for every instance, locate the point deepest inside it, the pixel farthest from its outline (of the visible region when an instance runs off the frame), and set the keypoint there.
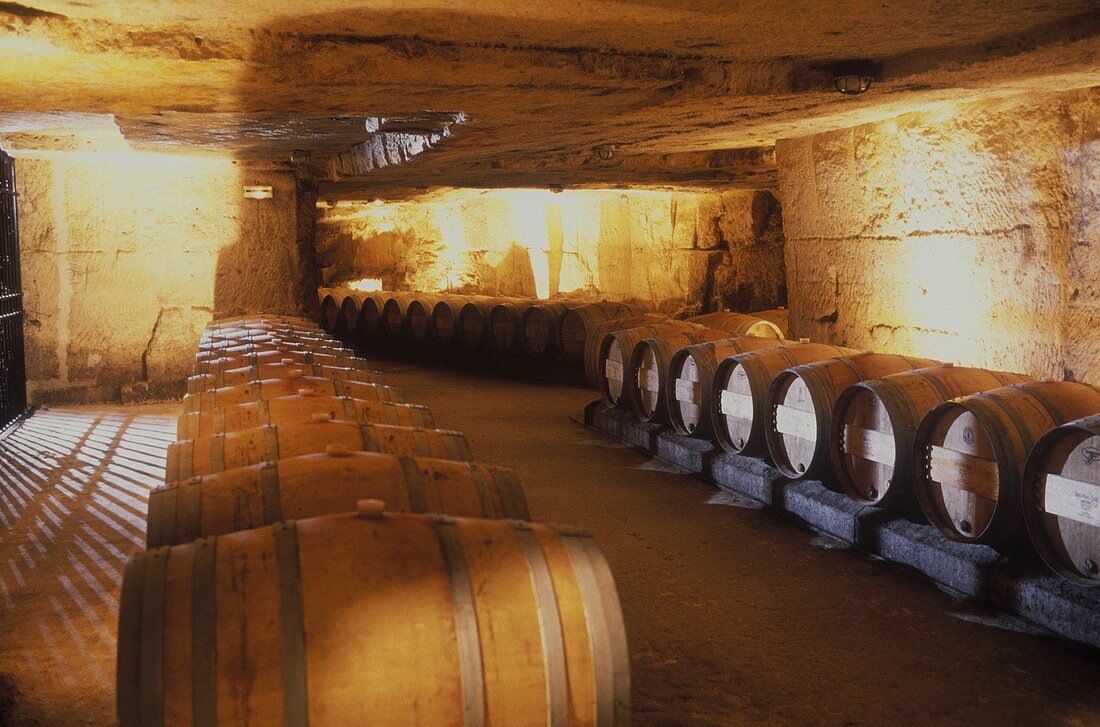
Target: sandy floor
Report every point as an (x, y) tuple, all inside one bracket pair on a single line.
[(734, 615)]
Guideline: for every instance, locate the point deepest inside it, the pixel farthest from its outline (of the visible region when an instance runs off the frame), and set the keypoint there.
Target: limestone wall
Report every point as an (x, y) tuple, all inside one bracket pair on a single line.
[(126, 256), (968, 233), (674, 251)]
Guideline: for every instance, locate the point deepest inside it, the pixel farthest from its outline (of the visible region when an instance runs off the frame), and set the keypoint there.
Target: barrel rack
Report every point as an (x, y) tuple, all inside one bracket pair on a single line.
[(976, 573)]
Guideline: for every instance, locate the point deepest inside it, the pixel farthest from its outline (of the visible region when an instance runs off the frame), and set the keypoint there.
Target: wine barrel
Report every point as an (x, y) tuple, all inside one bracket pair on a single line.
[(371, 618), (273, 388), (779, 316), (691, 376), (649, 363), (575, 327), (443, 327), (263, 325), (617, 380), (334, 311), (874, 423), (597, 332), (268, 358), (800, 401), (505, 331), (260, 318), (325, 483), (738, 324), (221, 452), (539, 328), (969, 455), (286, 368), (741, 384), (472, 326), (361, 313), (300, 407), (419, 315), (247, 335), (1061, 499), (394, 312)]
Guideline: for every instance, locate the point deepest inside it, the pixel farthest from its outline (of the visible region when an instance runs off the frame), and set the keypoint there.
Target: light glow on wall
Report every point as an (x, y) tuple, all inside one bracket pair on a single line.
[(366, 285)]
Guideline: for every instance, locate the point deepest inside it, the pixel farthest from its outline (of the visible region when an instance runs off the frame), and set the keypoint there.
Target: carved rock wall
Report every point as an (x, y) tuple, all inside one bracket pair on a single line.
[(126, 256), (674, 251), (969, 233)]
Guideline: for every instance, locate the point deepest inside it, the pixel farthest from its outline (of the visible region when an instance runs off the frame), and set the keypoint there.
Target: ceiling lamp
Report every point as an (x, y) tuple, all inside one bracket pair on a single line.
[(854, 77)]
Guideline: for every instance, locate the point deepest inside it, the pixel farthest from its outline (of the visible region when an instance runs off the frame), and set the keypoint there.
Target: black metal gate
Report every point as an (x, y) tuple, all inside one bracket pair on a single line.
[(13, 374)]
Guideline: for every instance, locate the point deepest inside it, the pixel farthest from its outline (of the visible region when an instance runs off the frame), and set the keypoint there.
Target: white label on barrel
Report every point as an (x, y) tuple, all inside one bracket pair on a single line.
[(536, 331), (648, 380), (735, 405), (613, 370), (1073, 499), (687, 391), (964, 471), (869, 444), (795, 422)]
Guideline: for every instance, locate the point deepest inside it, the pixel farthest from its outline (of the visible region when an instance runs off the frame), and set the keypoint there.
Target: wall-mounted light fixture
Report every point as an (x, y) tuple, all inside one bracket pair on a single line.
[(853, 77), (258, 192)]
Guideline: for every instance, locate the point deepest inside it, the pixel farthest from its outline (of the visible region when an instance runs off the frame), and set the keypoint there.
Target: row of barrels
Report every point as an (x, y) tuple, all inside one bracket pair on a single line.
[(562, 330), (322, 553), (987, 457)]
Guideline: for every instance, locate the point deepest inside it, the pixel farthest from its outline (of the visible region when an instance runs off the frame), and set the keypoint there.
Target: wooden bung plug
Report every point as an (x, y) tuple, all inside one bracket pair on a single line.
[(336, 450), (370, 509), (321, 416)]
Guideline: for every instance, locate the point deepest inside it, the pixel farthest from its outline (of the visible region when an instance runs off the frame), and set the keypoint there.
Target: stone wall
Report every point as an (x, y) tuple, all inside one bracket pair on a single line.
[(674, 251), (968, 233), (126, 256)]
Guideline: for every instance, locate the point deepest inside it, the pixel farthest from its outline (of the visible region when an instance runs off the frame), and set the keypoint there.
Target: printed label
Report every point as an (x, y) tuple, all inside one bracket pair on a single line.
[(648, 380), (1072, 499), (687, 390), (613, 370), (735, 405)]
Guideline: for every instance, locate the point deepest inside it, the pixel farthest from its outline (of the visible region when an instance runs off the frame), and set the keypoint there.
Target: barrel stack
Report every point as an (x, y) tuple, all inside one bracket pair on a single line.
[(403, 581)]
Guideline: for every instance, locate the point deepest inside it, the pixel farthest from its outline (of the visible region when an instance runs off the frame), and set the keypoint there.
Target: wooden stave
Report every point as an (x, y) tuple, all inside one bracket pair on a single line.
[(323, 483), (247, 331), (626, 339), (305, 358), (596, 335), (235, 320), (210, 455), (662, 349), (270, 342), (450, 306), (331, 301), (905, 397), (550, 313), (464, 334), (367, 321), (778, 316), (761, 366), (710, 353), (287, 368), (1006, 527), (1049, 541), (820, 378), (586, 317), (169, 626), (274, 388), (423, 306), (296, 408), (245, 350), (507, 342), (739, 324)]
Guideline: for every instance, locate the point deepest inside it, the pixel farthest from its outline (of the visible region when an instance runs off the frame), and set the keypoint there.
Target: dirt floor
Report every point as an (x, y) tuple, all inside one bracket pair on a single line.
[(734, 614)]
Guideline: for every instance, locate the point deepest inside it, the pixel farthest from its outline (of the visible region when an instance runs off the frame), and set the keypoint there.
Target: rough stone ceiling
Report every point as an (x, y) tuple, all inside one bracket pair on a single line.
[(556, 92)]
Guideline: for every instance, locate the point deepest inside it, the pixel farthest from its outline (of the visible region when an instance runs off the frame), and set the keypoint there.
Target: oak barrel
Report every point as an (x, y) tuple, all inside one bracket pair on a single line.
[(267, 358), (274, 388), (221, 452), (259, 318), (269, 342), (370, 618), (739, 324), (539, 328), (443, 326), (597, 333), (505, 326), (332, 306), (576, 325), (691, 378), (419, 315), (324, 483), (875, 421), (969, 455), (394, 314), (617, 379), (741, 385), (285, 368), (800, 401), (300, 407), (249, 328), (649, 364), (252, 332), (472, 330), (362, 314), (1061, 499), (779, 316)]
